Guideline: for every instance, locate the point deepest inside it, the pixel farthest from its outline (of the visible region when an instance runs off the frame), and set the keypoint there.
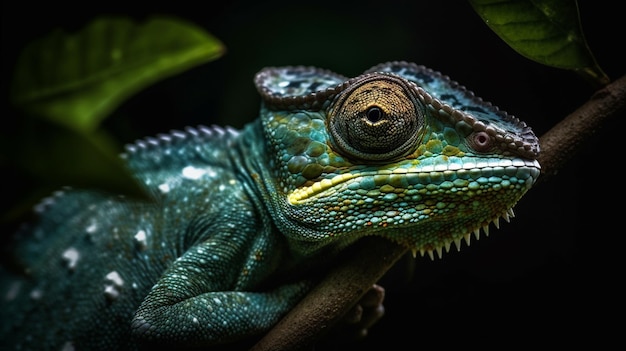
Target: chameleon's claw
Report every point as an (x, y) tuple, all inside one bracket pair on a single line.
[(356, 323)]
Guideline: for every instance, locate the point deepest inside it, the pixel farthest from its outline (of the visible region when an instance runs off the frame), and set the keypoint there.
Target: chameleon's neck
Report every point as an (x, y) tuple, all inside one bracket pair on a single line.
[(255, 158)]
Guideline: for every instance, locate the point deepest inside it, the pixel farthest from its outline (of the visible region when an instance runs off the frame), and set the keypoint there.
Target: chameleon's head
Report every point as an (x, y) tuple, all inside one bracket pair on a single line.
[(400, 151)]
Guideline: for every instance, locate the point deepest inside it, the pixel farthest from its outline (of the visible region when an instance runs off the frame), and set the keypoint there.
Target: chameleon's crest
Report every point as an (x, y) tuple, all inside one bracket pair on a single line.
[(400, 151), (298, 87)]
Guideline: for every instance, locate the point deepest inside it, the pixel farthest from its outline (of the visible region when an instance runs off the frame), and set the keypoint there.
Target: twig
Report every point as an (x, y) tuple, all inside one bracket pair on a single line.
[(560, 144), (333, 297)]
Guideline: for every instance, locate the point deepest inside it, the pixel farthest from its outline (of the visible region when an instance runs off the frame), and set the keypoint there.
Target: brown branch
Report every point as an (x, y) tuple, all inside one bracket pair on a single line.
[(343, 287), (561, 143), (333, 297)]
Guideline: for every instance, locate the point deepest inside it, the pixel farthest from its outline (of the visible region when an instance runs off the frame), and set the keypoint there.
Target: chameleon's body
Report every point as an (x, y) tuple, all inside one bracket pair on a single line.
[(400, 152)]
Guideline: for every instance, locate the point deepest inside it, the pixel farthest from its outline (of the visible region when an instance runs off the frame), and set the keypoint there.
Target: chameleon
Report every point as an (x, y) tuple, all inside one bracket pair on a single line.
[(240, 220)]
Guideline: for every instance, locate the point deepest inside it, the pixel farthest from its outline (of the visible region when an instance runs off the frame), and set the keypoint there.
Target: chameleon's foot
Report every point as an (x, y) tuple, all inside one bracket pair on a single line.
[(366, 312), (355, 324)]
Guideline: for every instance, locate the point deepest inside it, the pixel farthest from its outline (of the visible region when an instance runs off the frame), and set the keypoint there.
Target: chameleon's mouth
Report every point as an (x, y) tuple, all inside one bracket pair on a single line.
[(468, 175), (302, 194), (426, 208)]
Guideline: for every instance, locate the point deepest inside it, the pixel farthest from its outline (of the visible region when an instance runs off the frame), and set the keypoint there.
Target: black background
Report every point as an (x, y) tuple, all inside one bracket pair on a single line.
[(549, 278)]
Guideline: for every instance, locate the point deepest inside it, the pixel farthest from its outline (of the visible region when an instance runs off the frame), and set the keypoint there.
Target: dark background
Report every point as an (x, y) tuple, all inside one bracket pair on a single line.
[(549, 278)]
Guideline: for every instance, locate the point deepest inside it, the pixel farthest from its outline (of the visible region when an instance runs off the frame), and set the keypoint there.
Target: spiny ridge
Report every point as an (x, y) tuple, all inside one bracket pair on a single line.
[(466, 237)]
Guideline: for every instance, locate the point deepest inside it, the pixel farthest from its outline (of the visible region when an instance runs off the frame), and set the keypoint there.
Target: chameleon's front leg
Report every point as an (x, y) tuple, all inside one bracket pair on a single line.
[(195, 302)]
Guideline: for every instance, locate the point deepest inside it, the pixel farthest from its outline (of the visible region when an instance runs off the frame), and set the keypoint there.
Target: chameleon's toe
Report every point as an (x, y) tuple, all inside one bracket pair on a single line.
[(372, 309), (359, 319)]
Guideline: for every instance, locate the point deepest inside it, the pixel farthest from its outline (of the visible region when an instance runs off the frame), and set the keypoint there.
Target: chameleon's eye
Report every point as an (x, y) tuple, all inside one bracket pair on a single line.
[(376, 118), (374, 114)]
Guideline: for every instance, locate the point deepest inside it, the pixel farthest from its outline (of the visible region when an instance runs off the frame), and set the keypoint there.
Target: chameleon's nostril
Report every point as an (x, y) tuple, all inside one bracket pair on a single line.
[(480, 141)]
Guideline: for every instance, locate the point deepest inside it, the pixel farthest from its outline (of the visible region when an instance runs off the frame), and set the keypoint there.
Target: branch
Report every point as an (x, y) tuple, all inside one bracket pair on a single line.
[(344, 285), (560, 144), (333, 297)]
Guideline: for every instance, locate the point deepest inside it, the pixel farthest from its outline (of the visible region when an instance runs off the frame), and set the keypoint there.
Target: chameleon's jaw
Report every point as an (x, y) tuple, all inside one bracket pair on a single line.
[(424, 209)]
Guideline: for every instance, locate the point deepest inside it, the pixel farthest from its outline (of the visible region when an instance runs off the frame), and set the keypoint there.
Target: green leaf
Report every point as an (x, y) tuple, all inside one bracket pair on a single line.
[(78, 79), (52, 156), (546, 31)]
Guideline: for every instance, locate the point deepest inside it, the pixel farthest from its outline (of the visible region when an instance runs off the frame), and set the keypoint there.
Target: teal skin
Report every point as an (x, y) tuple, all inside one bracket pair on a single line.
[(239, 220)]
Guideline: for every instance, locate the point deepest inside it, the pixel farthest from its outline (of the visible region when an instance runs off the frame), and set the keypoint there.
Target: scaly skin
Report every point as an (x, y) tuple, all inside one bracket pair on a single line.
[(241, 219)]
